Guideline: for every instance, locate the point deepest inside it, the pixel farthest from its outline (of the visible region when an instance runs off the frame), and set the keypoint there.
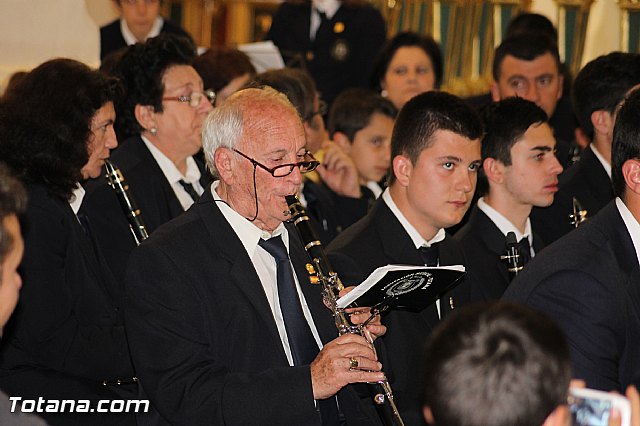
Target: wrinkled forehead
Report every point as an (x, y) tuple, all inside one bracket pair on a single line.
[(273, 129)]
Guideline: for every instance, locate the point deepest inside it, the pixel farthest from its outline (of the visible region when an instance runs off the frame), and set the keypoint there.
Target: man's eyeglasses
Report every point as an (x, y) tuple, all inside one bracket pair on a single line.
[(322, 110), (286, 169), (194, 98)]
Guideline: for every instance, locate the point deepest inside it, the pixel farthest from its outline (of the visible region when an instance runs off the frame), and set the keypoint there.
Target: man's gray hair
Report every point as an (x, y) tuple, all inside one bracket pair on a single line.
[(226, 124)]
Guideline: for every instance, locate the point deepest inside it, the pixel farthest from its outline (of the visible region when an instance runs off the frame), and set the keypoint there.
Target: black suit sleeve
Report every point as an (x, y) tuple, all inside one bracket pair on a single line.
[(180, 356)]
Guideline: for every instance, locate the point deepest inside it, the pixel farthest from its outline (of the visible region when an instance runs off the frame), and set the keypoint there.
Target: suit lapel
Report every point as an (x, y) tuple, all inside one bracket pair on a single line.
[(241, 270), (495, 242)]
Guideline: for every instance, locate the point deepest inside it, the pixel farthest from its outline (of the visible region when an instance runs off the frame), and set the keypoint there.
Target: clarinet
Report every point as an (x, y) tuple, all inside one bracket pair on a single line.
[(115, 179), (331, 285), (578, 215), (512, 257)]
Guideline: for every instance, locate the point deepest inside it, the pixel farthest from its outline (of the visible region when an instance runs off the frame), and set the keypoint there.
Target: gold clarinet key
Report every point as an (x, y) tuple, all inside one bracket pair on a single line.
[(451, 303)]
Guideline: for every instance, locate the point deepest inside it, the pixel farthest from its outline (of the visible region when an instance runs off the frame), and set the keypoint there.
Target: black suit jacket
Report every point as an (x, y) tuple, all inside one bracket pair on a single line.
[(148, 187), (338, 58), (483, 243), (378, 240), (589, 283), (588, 182), (203, 335), (111, 38), (66, 335)]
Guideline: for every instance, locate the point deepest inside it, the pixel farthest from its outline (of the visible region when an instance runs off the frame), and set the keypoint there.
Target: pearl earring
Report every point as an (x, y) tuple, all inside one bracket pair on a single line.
[(153, 131)]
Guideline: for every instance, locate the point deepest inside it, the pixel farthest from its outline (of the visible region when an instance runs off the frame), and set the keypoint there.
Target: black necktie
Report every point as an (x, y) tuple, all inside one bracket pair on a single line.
[(430, 256), (303, 346), (525, 250), (190, 189)]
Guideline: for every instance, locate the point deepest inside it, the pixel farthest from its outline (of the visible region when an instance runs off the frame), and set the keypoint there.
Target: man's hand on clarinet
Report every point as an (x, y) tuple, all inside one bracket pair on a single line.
[(346, 359), (361, 314)]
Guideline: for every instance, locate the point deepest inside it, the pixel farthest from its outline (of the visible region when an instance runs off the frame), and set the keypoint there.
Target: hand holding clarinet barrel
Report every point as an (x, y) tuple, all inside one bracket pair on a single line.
[(356, 325)]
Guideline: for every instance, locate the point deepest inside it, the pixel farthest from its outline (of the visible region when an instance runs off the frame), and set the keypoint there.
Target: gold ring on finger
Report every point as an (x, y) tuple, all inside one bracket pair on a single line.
[(353, 363)]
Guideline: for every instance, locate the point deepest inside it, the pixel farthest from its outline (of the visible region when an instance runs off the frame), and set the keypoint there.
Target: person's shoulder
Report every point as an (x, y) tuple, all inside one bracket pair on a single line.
[(360, 234), (110, 27)]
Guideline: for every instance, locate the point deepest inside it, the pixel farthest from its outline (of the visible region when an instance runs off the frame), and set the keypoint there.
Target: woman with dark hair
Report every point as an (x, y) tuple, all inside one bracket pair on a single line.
[(160, 117), (409, 64), (66, 339), (224, 70)]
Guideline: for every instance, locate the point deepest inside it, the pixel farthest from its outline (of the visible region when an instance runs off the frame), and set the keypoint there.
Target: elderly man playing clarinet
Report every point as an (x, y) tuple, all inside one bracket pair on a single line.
[(224, 323)]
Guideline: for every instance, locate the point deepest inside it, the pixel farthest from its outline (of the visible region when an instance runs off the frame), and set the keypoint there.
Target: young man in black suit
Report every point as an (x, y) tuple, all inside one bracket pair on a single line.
[(597, 90), (435, 150), (588, 281), (521, 170), (216, 335)]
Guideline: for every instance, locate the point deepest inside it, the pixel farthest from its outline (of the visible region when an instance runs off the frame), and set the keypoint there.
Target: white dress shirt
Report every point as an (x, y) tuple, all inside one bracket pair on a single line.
[(418, 240), (174, 176), (328, 7), (505, 226), (605, 164), (632, 225), (130, 39), (265, 265)]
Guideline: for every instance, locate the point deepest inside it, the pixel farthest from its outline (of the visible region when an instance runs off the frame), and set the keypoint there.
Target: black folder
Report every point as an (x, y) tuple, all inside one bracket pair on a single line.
[(406, 287)]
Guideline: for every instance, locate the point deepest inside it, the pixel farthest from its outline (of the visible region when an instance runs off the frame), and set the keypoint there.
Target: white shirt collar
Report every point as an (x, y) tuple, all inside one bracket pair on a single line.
[(76, 198), (606, 165), (504, 225), (329, 7), (246, 230), (130, 39), (375, 188), (633, 227), (169, 169), (415, 236)]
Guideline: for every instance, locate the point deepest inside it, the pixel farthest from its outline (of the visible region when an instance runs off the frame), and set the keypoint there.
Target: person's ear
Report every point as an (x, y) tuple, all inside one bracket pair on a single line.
[(602, 122), (402, 169), (342, 141), (560, 86), (428, 415), (224, 164), (146, 116), (631, 173), (493, 170), (558, 417), (495, 92)]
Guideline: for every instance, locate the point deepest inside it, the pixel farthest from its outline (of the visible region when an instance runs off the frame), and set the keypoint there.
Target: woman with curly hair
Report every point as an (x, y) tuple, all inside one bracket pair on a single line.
[(66, 339), (160, 118)]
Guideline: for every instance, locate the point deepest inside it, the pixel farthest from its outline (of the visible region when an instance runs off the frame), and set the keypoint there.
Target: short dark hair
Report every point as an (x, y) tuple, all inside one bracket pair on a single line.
[(531, 23), (505, 123), (351, 111), (296, 84), (141, 70), (219, 65), (498, 364), (526, 47), (45, 123), (13, 201), (406, 39), (626, 140), (427, 113), (601, 85)]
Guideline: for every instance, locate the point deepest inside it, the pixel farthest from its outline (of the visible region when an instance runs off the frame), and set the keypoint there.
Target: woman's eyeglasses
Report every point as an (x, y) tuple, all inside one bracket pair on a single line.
[(194, 98)]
